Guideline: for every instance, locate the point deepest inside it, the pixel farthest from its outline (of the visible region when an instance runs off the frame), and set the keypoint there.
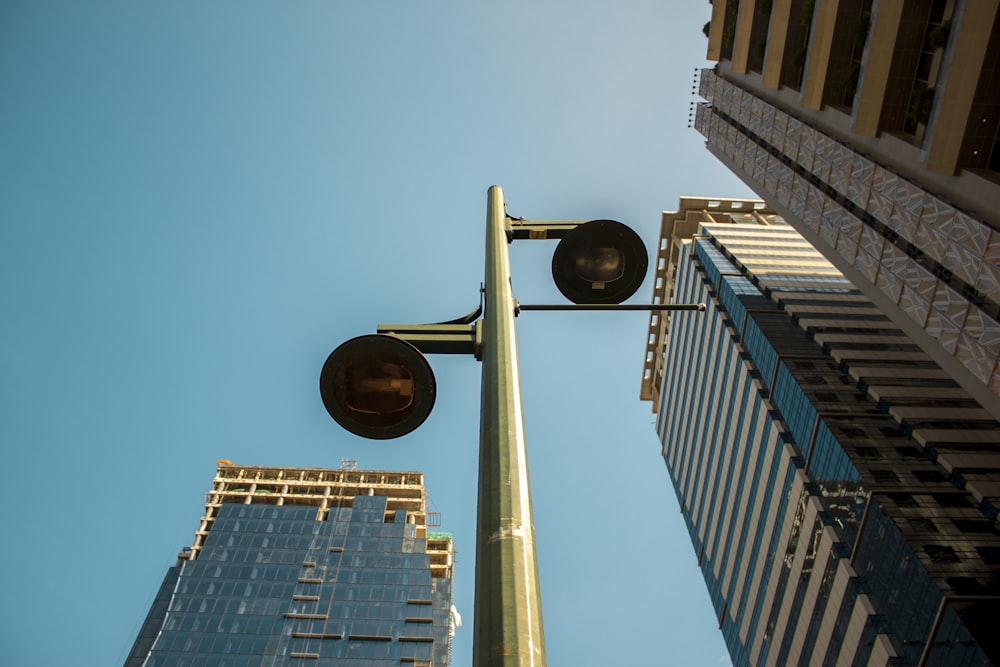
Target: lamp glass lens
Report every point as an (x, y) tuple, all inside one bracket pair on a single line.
[(599, 265)]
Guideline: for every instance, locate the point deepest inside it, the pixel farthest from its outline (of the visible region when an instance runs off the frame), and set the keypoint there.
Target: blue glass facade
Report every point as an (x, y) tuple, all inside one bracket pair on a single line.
[(806, 499), (302, 585)]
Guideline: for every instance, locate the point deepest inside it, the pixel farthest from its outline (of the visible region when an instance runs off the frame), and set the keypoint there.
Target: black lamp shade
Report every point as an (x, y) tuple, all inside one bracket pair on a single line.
[(377, 386), (601, 261)]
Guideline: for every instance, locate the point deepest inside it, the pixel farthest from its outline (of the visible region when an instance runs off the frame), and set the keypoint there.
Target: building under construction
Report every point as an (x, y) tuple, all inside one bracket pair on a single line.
[(307, 566)]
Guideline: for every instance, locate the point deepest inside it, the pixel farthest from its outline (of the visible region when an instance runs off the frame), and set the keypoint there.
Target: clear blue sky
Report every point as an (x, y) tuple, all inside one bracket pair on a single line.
[(200, 200)]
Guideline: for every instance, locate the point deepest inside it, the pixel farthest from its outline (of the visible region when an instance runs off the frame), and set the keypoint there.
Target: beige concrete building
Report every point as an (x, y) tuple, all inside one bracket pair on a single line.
[(871, 126)]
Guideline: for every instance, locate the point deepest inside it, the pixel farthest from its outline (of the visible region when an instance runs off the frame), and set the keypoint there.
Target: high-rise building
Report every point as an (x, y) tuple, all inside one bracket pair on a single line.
[(310, 567), (839, 487), (871, 127)]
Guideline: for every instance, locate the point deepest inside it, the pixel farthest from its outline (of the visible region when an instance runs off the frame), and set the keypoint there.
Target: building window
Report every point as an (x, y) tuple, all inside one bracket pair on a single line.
[(941, 554)]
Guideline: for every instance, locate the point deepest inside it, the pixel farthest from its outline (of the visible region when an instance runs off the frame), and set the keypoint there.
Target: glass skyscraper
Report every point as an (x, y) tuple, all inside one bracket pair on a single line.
[(310, 567), (839, 488)]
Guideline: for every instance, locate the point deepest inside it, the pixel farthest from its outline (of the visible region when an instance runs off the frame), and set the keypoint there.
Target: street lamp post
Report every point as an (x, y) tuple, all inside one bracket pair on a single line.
[(508, 613), (380, 386)]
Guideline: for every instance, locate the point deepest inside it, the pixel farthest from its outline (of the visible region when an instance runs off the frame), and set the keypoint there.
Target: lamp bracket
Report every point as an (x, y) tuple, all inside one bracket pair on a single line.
[(519, 228), (444, 338), (590, 307)]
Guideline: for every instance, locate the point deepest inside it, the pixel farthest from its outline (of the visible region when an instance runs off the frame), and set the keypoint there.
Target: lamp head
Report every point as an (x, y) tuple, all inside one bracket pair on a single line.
[(601, 261), (377, 386)]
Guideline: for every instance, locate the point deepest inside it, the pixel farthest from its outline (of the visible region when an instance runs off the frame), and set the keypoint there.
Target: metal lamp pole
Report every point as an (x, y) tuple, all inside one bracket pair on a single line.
[(381, 386), (508, 611)]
